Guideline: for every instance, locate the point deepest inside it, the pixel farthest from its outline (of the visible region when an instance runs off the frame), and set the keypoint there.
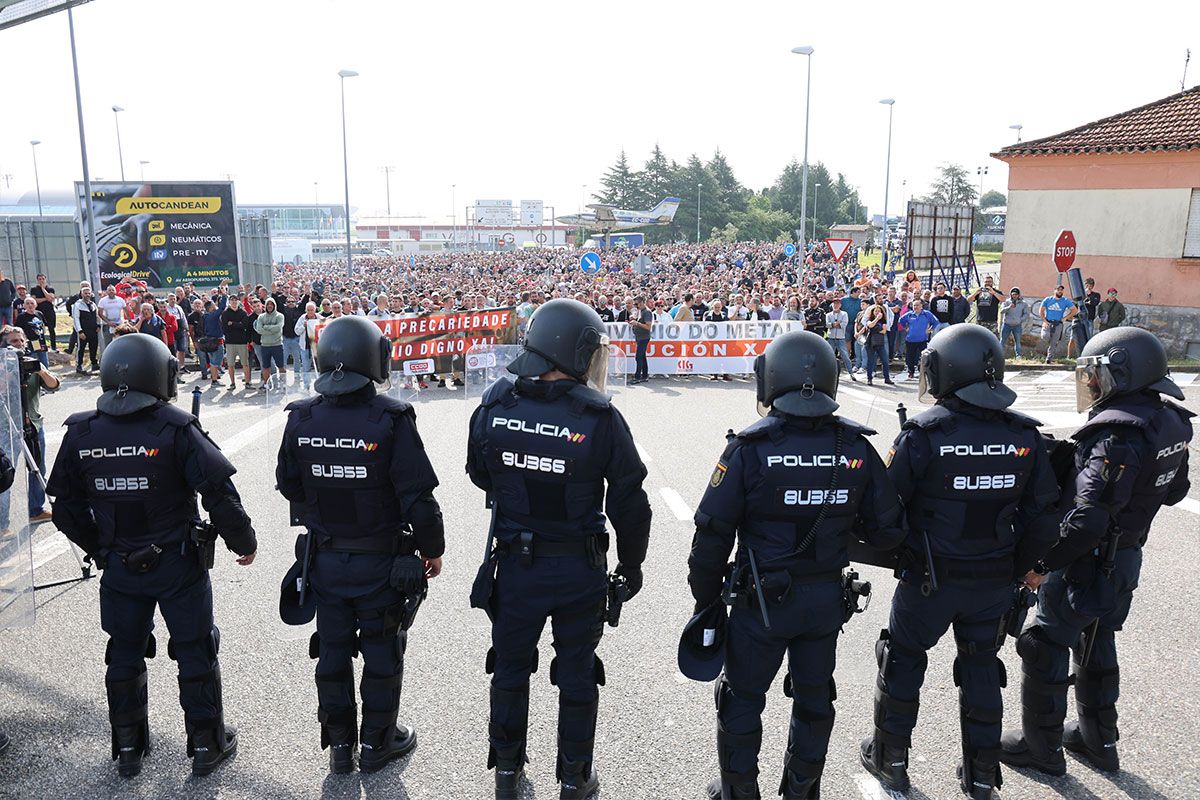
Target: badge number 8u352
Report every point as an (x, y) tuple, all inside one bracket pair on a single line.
[(718, 475)]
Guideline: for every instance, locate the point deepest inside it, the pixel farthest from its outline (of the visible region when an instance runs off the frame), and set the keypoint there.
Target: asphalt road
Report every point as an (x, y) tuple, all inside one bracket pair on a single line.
[(656, 732)]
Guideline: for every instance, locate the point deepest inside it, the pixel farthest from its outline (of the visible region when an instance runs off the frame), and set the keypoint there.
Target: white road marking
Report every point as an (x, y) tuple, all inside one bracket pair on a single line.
[(1008, 376), (1184, 378), (248, 436), (642, 454), (674, 502), (1054, 377), (49, 549), (1188, 504)]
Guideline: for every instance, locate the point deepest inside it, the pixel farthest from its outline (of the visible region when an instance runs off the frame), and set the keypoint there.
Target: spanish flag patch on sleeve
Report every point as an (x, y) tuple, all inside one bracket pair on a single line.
[(718, 474)]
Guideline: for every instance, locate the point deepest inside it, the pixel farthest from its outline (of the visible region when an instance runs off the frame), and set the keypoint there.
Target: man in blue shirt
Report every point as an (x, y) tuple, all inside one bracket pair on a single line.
[(918, 325), (214, 337), (1055, 311)]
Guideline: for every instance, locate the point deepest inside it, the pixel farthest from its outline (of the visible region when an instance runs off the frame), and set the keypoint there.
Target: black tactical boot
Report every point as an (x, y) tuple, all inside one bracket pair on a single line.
[(1039, 743), (507, 726), (337, 711), (209, 747), (800, 787), (1015, 751), (888, 762), (578, 781), (1093, 744), (727, 789), (382, 739), (128, 711), (209, 740), (983, 778)]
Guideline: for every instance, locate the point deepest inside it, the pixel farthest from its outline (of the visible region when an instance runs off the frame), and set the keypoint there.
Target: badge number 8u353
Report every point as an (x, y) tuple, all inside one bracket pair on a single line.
[(718, 475)]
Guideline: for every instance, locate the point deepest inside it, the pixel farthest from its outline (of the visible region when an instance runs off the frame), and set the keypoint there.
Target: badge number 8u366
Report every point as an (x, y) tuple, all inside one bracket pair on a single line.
[(718, 475)]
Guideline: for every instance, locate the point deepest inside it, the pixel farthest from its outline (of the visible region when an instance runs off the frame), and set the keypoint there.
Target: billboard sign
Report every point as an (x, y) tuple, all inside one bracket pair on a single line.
[(163, 233), (993, 222)]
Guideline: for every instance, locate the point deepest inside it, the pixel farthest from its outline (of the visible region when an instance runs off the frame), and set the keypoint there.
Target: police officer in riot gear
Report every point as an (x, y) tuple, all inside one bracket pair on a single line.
[(790, 488), (543, 448), (1131, 459), (355, 470), (125, 484), (978, 491)]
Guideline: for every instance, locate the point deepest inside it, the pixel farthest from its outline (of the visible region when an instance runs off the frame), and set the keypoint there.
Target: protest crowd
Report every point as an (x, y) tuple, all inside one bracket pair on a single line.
[(873, 319)]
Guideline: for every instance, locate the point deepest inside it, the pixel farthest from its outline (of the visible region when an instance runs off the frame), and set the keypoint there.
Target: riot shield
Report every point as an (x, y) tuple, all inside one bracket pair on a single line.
[(486, 363), (17, 607)]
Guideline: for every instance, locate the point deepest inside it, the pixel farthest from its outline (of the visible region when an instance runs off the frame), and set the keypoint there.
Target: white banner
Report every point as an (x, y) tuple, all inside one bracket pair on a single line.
[(700, 348)]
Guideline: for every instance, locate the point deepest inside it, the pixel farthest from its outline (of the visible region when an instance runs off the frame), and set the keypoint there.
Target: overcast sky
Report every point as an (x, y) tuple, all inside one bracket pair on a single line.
[(533, 99)]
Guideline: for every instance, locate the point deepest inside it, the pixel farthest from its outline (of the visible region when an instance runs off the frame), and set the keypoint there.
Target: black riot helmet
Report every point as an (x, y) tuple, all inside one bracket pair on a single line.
[(798, 375), (136, 371), (565, 335), (351, 352), (966, 361), (1121, 361)]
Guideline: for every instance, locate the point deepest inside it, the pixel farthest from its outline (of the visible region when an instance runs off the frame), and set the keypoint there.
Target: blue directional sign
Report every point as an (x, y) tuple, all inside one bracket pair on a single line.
[(590, 263), (789, 249)]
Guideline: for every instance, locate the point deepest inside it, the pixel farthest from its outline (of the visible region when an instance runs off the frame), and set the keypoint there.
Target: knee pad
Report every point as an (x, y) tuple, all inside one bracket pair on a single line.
[(150, 652), (888, 651), (976, 655), (598, 676), (489, 663), (813, 704), (210, 643), (1038, 654)]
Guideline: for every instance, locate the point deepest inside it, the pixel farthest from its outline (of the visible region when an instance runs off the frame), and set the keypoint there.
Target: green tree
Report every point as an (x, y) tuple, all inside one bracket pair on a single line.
[(993, 199), (760, 222), (619, 185), (712, 209), (732, 194), (952, 187)]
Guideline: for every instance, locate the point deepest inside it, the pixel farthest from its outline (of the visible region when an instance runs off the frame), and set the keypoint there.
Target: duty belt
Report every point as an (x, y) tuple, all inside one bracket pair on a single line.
[(386, 544), (956, 570), (528, 546)]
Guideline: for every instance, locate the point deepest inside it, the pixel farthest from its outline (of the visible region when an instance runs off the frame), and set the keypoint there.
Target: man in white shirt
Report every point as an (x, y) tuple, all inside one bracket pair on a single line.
[(837, 323), (113, 311)]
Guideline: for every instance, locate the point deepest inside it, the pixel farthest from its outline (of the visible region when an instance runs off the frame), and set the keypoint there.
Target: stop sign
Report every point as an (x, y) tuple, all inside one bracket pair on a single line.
[(1064, 251)]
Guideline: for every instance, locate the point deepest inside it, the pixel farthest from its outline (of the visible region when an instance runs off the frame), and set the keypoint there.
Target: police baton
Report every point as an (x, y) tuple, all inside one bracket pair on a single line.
[(758, 590), (196, 402)]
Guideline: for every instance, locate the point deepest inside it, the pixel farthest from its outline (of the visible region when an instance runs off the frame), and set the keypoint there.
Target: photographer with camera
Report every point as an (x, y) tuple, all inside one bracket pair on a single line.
[(34, 379)]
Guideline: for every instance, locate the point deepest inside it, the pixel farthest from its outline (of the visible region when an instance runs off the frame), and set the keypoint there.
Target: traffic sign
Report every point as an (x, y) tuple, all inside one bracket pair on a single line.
[(590, 263), (509, 238), (1064, 251), (839, 247), (541, 238), (789, 249)]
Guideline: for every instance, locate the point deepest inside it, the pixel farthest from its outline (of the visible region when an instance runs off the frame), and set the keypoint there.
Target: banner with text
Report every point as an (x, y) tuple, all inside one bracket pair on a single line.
[(436, 343), (163, 234), (701, 348)]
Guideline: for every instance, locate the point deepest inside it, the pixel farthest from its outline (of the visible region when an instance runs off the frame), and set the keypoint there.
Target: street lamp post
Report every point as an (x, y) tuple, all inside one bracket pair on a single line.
[(815, 187), (120, 155), (1017, 127), (387, 181), (805, 50), (33, 143), (142, 170), (887, 177), (343, 74), (981, 172), (453, 218), (698, 187)]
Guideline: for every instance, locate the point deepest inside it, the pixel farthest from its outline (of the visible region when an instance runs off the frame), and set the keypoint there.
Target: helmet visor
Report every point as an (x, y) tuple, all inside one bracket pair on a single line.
[(597, 371), (1093, 382), (924, 387)]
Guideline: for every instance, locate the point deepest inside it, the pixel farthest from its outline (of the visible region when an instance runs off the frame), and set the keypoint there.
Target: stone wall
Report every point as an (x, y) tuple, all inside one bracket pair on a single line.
[(1177, 327)]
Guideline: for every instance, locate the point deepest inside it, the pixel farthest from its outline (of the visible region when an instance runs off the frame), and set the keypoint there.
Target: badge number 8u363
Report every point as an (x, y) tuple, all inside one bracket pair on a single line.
[(718, 475)]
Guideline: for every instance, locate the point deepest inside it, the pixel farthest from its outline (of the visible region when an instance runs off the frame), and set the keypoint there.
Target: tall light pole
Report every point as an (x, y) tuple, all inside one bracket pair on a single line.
[(343, 74), (699, 186), (120, 155), (33, 143), (453, 217), (93, 247), (1017, 127), (887, 177), (142, 169), (981, 172), (805, 50), (815, 187), (387, 181)]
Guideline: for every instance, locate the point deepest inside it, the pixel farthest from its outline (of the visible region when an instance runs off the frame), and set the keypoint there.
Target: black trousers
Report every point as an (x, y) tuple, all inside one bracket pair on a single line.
[(642, 370), (93, 340)]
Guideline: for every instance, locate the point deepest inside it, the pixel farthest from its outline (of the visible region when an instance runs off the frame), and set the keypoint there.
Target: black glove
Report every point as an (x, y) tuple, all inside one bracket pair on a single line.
[(632, 576)]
